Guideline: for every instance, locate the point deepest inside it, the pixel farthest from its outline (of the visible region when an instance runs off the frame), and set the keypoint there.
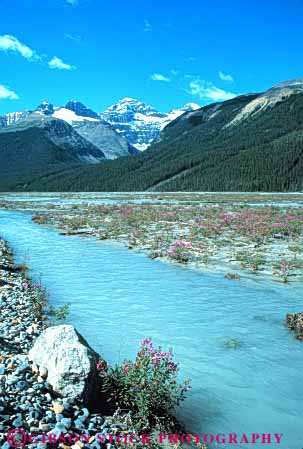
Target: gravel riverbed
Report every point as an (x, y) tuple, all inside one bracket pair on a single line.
[(27, 401)]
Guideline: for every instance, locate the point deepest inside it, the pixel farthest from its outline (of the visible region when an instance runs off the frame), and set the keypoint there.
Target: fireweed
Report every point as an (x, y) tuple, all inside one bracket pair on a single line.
[(148, 387), (178, 251), (283, 270), (241, 234)]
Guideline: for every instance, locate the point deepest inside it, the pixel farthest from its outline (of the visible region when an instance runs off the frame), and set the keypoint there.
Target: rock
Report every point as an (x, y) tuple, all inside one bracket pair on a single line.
[(295, 322), (58, 407), (78, 444), (18, 422), (48, 397), (85, 414), (232, 276), (79, 424), (6, 445), (22, 385), (35, 369), (69, 360), (44, 427), (56, 432), (61, 427), (43, 372), (59, 417), (12, 379), (23, 336), (66, 422)]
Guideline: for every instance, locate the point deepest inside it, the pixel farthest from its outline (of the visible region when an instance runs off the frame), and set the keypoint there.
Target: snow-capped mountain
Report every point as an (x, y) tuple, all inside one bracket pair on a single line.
[(140, 123), (72, 112), (124, 128), (12, 117), (86, 123)]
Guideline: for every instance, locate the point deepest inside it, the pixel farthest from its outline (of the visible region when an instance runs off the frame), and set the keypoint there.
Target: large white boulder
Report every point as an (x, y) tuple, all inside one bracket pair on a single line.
[(69, 360)]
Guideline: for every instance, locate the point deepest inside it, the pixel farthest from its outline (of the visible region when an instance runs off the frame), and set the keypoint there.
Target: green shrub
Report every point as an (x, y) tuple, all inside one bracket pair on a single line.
[(60, 313), (148, 387)]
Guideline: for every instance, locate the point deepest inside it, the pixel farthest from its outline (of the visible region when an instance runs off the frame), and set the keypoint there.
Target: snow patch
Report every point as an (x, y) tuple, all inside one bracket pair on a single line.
[(69, 116)]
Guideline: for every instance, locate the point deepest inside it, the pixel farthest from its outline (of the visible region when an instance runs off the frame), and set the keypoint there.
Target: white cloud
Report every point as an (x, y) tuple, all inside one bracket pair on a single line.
[(72, 2), (73, 37), (57, 63), (147, 26), (11, 43), (159, 77), (226, 77), (7, 94), (208, 91)]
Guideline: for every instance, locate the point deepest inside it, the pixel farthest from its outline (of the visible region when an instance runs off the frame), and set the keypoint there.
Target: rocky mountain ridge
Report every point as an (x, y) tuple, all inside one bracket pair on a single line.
[(136, 122)]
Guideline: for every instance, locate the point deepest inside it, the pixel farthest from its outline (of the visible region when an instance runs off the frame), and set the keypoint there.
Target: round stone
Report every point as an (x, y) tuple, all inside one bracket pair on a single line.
[(58, 407)]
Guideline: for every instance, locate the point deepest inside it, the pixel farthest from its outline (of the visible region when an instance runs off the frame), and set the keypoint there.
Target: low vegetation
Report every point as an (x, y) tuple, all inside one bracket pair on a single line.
[(262, 240), (148, 387)]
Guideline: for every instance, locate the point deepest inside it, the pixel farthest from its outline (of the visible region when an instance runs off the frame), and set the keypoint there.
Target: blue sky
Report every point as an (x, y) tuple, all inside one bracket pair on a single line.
[(165, 53)]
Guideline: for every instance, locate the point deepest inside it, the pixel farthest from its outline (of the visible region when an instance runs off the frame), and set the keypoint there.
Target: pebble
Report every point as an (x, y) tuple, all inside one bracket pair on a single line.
[(22, 385), (59, 417), (6, 445), (48, 397), (79, 424), (85, 413), (18, 422), (44, 427), (58, 407)]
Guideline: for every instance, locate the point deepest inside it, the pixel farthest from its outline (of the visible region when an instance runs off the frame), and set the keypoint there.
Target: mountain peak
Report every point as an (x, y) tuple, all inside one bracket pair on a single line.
[(80, 109), (139, 122), (130, 105), (45, 108)]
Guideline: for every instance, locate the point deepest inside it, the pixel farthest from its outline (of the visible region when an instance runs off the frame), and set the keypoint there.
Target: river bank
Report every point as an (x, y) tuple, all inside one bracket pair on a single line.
[(27, 400)]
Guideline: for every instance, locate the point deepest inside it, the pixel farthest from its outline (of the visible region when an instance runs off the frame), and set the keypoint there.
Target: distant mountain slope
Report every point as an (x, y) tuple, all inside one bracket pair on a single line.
[(30, 153), (234, 145), (38, 144), (105, 138), (60, 134)]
